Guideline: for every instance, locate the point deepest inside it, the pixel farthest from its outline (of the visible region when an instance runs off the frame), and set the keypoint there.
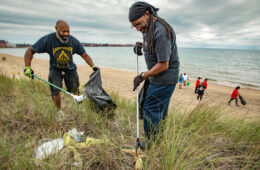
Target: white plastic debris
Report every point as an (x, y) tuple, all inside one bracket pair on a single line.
[(75, 134), (54, 146), (79, 99), (48, 148)]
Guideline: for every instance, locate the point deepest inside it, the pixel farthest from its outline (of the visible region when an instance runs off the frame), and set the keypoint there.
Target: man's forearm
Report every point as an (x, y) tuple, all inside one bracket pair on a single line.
[(157, 69), (28, 56), (87, 59)]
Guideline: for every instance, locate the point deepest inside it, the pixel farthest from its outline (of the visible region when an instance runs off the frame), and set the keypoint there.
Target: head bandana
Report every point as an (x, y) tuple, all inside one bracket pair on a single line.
[(138, 9)]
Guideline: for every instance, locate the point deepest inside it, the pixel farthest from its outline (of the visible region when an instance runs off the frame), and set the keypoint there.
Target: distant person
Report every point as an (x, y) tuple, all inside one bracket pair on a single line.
[(200, 91), (205, 84), (180, 81), (197, 85), (185, 79), (234, 96), (161, 57), (61, 46)]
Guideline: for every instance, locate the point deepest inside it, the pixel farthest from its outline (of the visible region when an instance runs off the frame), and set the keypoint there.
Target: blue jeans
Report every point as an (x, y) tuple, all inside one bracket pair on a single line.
[(155, 106)]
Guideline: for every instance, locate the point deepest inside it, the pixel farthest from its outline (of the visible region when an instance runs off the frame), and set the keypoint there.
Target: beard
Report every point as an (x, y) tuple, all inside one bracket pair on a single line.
[(143, 30), (63, 39)]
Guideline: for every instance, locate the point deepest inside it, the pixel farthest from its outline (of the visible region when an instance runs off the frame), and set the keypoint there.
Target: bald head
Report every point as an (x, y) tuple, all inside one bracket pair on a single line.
[(61, 23), (63, 29)]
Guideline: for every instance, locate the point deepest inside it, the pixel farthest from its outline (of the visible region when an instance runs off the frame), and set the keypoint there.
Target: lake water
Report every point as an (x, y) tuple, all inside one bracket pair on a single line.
[(222, 66)]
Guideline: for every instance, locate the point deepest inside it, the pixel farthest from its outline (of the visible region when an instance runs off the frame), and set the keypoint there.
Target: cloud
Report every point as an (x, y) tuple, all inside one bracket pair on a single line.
[(220, 23), (197, 23)]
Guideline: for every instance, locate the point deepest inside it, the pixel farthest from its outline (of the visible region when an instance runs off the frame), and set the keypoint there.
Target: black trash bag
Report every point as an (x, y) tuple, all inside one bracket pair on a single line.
[(242, 100), (97, 95), (141, 97)]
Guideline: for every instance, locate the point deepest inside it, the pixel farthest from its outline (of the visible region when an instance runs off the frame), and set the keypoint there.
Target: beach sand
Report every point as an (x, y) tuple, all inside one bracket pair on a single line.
[(120, 82)]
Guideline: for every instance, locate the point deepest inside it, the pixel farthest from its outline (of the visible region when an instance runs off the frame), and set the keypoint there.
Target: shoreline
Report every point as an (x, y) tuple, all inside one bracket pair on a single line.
[(227, 83), (212, 81), (120, 82)]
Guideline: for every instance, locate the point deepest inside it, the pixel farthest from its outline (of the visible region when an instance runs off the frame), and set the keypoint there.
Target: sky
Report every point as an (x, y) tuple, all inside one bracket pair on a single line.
[(229, 24)]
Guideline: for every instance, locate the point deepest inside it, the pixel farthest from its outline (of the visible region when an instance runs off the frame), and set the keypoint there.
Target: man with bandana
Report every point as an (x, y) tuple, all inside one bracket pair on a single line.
[(160, 52), (61, 46)]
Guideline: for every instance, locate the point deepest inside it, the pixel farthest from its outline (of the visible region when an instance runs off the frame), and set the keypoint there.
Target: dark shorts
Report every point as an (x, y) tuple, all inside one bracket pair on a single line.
[(200, 92), (70, 77)]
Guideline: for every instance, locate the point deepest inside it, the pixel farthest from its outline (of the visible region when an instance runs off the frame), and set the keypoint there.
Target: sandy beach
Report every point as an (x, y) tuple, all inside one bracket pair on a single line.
[(120, 82)]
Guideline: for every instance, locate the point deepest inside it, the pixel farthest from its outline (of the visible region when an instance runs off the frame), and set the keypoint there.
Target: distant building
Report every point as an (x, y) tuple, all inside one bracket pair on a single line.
[(106, 45), (11, 45), (3, 44), (22, 45)]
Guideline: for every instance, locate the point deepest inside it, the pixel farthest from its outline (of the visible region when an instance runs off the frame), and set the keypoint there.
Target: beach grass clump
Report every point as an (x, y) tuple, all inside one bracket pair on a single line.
[(204, 138)]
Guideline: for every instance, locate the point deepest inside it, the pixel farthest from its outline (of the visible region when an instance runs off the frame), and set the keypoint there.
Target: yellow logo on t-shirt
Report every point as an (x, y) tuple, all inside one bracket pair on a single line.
[(62, 56)]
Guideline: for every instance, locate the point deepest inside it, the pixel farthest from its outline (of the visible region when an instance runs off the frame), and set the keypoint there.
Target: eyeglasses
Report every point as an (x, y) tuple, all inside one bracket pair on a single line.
[(138, 24)]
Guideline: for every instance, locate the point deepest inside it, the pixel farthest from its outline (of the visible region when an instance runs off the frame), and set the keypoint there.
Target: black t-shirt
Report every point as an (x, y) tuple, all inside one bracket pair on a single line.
[(60, 54), (165, 50)]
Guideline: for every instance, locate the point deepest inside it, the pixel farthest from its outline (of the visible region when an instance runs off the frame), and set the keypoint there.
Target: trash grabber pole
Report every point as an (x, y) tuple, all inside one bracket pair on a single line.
[(52, 84), (137, 107), (77, 99), (136, 151)]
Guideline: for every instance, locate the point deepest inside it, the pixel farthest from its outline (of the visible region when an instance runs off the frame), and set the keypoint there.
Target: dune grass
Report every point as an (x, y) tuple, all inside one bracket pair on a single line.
[(203, 138)]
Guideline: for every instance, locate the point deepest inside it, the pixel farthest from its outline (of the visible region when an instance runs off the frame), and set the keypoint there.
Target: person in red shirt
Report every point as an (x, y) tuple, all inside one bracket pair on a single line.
[(235, 95), (200, 91), (197, 85), (205, 84)]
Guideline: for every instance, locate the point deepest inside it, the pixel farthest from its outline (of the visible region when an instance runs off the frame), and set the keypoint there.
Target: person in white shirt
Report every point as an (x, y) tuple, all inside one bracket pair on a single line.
[(185, 78)]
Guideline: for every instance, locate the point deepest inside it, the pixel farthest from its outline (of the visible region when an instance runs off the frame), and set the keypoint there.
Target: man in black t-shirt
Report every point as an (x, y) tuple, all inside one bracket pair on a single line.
[(60, 46), (161, 57)]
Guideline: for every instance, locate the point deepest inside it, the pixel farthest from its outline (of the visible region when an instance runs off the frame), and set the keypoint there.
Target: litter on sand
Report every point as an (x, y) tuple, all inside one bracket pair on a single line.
[(71, 141), (49, 148)]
